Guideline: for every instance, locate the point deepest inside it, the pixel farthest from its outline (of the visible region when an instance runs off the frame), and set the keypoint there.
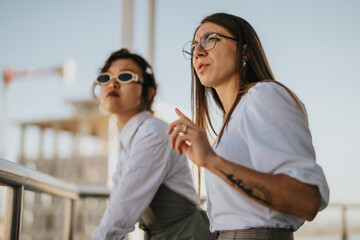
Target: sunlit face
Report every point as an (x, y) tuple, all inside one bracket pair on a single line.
[(119, 98), (218, 65)]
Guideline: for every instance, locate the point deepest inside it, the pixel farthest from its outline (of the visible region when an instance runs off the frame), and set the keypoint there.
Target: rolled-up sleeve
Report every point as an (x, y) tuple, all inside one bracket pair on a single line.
[(138, 180), (278, 137)]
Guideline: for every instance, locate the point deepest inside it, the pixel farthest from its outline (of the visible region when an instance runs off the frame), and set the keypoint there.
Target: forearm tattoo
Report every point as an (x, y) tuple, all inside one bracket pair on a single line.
[(252, 189)]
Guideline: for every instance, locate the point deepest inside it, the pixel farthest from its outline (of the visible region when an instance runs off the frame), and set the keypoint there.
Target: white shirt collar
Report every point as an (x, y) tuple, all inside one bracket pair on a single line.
[(130, 128)]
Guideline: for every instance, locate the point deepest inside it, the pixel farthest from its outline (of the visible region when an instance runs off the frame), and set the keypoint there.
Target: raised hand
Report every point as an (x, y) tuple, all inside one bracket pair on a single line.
[(190, 139)]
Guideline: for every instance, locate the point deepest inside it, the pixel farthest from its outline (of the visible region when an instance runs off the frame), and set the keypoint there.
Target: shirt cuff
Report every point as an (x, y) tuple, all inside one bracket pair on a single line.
[(110, 233)]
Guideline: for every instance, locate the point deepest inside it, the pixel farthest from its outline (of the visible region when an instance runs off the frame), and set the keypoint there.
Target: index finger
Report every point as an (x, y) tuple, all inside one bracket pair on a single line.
[(180, 114), (183, 119)]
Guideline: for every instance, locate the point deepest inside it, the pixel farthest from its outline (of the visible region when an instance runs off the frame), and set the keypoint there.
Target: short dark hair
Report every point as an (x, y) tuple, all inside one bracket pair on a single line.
[(147, 73)]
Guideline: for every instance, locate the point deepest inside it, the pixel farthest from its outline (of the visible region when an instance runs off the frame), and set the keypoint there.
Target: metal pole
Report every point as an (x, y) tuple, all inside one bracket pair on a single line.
[(21, 159), (13, 213), (151, 35), (41, 145), (4, 119), (69, 220), (127, 24), (344, 223)]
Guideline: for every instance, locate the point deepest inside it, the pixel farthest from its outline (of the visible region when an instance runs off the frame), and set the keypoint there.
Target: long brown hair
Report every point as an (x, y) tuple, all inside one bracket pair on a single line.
[(257, 70)]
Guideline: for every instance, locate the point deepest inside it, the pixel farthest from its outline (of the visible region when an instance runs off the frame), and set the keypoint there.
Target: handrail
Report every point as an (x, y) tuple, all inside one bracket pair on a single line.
[(20, 178), (348, 205), (16, 175)]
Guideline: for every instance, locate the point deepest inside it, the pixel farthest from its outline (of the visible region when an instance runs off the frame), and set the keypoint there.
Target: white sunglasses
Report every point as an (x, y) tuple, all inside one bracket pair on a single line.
[(122, 77)]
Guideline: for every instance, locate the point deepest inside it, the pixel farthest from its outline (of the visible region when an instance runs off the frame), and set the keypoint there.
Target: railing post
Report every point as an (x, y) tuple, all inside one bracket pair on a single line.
[(344, 223), (13, 213), (69, 219)]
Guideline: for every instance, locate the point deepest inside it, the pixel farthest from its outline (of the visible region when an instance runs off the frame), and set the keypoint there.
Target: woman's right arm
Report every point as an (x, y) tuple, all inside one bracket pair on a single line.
[(285, 176), (278, 192), (141, 176)]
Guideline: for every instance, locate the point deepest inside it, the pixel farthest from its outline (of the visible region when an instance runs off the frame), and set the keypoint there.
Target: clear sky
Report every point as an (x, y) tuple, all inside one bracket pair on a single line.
[(312, 46)]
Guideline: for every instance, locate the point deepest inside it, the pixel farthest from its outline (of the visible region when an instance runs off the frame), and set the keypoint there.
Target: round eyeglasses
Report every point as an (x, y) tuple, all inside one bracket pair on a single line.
[(122, 77), (207, 42)]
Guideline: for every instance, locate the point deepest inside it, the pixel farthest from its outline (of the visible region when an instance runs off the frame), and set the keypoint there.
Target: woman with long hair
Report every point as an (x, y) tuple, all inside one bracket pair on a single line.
[(152, 183), (261, 177)]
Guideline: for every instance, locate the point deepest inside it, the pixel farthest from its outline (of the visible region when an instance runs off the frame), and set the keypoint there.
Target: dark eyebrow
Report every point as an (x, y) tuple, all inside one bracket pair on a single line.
[(202, 36), (130, 70), (123, 70)]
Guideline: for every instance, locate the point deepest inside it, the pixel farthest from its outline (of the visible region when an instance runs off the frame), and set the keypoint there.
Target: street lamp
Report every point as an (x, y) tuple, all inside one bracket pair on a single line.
[(66, 71)]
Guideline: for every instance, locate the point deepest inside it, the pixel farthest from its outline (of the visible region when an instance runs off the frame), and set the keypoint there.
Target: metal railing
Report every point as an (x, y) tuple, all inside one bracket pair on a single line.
[(19, 178), (344, 223)]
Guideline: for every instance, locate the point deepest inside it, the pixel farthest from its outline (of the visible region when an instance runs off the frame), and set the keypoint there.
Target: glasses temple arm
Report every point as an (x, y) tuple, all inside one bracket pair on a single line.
[(228, 37), (188, 53)]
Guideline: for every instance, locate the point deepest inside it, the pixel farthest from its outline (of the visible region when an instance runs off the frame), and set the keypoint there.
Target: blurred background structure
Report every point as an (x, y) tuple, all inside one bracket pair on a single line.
[(312, 47), (43, 214)]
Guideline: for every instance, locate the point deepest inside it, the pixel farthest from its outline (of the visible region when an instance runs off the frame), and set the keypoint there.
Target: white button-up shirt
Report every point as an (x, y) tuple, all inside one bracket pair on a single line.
[(267, 132), (145, 162)]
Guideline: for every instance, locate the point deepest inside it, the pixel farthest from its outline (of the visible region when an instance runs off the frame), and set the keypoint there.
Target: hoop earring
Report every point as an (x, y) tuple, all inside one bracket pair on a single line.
[(244, 64)]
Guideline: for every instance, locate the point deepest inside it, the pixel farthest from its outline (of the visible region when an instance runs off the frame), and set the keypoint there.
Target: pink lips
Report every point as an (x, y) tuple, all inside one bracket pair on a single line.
[(112, 94), (202, 67)]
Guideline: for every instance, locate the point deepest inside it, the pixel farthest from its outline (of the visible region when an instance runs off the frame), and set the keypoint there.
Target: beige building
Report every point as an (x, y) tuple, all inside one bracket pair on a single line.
[(75, 150)]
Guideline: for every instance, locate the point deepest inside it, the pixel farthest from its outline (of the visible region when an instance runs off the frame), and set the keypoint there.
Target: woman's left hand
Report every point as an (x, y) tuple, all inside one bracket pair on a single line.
[(192, 140)]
